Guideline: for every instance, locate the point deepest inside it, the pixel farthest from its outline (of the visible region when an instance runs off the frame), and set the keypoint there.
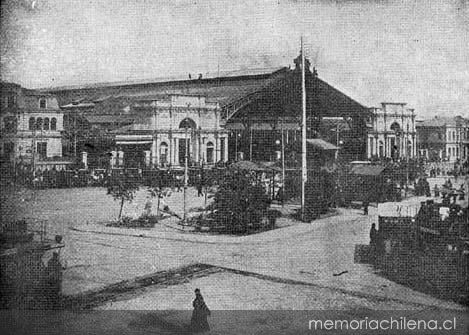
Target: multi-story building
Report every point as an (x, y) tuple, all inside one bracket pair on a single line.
[(392, 133), (176, 127), (31, 126), (444, 139)]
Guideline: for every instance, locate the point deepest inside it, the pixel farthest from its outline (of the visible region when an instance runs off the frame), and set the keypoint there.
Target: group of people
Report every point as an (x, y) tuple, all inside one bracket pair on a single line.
[(447, 192), (422, 187)]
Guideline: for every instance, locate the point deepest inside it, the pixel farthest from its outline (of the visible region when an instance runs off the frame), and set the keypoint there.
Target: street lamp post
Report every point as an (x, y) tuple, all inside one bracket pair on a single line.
[(185, 175)]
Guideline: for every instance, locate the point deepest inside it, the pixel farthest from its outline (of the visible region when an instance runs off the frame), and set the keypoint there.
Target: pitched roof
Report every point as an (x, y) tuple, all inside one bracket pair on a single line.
[(223, 89), (321, 144), (262, 91), (442, 122), (436, 122)]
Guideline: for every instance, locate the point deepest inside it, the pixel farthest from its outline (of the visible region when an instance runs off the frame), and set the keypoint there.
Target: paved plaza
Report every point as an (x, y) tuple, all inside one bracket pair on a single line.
[(96, 256), (301, 266)]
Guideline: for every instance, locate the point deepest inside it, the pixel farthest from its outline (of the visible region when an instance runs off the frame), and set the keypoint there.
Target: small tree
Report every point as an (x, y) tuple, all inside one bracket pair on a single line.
[(122, 187), (158, 191)]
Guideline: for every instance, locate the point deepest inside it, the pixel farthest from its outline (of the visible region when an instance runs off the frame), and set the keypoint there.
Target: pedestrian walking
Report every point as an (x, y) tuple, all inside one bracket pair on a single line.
[(199, 188), (280, 195), (179, 182), (449, 184), (365, 207), (199, 321), (373, 240), (437, 191)]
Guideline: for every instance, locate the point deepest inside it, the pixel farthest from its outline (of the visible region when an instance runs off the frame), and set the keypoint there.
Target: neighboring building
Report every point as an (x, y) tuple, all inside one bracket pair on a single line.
[(175, 126), (392, 133), (255, 106), (88, 127), (444, 139), (31, 126)]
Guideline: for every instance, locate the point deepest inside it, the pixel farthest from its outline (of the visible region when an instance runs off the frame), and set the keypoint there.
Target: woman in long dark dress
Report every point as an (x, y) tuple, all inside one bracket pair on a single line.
[(199, 315)]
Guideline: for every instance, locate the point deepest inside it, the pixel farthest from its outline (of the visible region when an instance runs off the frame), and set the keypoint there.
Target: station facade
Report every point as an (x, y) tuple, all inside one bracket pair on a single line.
[(176, 127), (392, 132)]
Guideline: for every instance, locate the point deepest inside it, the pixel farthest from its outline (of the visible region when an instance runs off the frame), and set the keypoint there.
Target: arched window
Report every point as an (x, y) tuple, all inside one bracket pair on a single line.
[(187, 123), (163, 153), (39, 123), (46, 123), (53, 124), (32, 123), (210, 152), (395, 127), (42, 103)]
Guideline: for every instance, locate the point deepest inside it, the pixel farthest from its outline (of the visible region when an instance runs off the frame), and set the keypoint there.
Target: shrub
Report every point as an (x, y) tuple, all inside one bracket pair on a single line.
[(240, 202), (144, 221)]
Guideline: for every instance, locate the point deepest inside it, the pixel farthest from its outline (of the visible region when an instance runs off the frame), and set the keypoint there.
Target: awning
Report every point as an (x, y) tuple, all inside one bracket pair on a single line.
[(133, 142), (321, 144), (367, 170)]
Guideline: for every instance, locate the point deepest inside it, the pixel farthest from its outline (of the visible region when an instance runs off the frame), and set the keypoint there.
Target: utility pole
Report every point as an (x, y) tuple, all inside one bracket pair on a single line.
[(236, 146), (407, 160), (250, 142), (34, 151), (304, 171), (185, 176), (75, 134), (283, 166)]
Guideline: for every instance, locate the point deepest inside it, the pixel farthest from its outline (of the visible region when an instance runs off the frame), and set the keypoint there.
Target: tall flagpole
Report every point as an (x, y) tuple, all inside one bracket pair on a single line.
[(304, 173), (283, 166)]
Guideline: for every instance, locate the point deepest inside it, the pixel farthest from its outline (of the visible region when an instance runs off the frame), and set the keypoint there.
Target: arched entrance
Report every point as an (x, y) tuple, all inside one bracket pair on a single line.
[(163, 153), (395, 140), (184, 148), (209, 156)]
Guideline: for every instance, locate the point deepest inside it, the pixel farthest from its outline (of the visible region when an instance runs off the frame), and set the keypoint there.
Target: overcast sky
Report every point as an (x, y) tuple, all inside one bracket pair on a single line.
[(402, 51)]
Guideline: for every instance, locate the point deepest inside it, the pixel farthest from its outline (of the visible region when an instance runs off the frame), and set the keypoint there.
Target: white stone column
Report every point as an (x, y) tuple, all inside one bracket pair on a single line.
[(375, 146), (147, 157), (120, 158), (225, 159), (195, 146), (113, 158), (368, 147), (176, 152), (84, 159), (154, 152), (157, 151), (217, 149), (386, 147), (203, 150)]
